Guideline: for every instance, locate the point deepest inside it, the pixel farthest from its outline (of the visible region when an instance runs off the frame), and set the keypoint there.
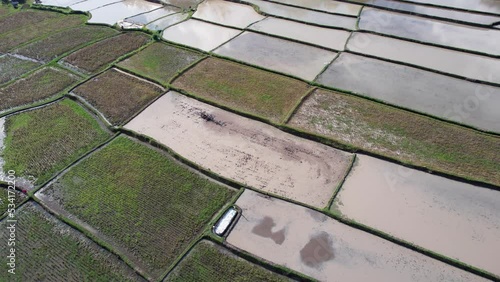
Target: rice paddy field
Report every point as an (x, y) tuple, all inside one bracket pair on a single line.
[(227, 140)]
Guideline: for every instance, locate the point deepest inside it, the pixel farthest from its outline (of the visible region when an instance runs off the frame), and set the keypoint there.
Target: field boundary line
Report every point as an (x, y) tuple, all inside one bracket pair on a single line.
[(297, 105), (341, 184)]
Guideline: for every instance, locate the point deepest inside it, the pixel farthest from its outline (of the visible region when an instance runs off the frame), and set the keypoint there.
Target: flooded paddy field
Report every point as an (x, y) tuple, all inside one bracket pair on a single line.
[(407, 204), (327, 250), (324, 37), (13, 67), (463, 64), (89, 5), (243, 88), (246, 151), (208, 261), (227, 13), (448, 14), (441, 33), (145, 18), (277, 54), (139, 201), (198, 34), (184, 4), (335, 7), (43, 84), (41, 142), (304, 15), (111, 14), (60, 43), (167, 21), (97, 56), (446, 97), (61, 252), (487, 6), (59, 3), (160, 62), (118, 95), (401, 135), (9, 40)]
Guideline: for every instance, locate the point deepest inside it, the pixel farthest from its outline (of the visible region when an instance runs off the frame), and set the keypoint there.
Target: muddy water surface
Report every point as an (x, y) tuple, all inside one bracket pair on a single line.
[(433, 212), (326, 37), (328, 250), (92, 4), (277, 54), (198, 34), (489, 6), (304, 15), (442, 33), (153, 15), (167, 21), (454, 62), (433, 11), (439, 95), (113, 13), (327, 6), (244, 150), (227, 13)]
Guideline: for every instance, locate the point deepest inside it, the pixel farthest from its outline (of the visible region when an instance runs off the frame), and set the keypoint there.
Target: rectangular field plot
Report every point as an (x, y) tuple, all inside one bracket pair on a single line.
[(49, 250), (318, 246), (138, 200), (401, 135), (13, 67), (208, 261), (420, 29), (439, 95), (24, 34), (247, 151), (117, 95), (97, 56), (276, 54), (227, 13), (433, 212), (335, 7), (304, 15), (41, 142), (160, 61), (24, 18), (57, 44), (115, 12), (240, 87), (43, 84)]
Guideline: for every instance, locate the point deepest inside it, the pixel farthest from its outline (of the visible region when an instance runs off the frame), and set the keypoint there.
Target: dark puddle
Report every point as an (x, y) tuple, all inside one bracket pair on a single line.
[(317, 251), (264, 229)]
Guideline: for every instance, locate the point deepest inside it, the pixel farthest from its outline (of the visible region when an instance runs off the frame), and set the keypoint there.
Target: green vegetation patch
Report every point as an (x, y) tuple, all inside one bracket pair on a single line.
[(143, 200), (49, 250), (12, 67), (4, 198), (41, 85), (401, 135), (28, 33), (24, 18), (160, 62), (117, 95), (95, 57), (41, 142), (210, 262), (243, 88), (60, 43)]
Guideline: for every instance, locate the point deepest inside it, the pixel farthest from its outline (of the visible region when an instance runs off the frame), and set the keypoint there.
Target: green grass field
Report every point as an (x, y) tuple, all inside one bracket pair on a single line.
[(49, 250), (146, 202), (41, 142), (210, 262), (243, 88), (24, 34), (12, 67), (58, 44), (401, 135), (117, 95), (41, 85), (24, 18), (97, 56), (160, 62)]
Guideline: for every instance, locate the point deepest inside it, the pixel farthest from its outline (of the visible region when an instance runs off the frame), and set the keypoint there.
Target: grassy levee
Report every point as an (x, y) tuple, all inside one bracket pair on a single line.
[(47, 249), (41, 142), (169, 203)]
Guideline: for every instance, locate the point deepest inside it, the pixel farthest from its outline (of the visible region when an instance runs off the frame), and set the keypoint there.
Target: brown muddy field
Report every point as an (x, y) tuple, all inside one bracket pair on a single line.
[(323, 248), (247, 151), (409, 204)]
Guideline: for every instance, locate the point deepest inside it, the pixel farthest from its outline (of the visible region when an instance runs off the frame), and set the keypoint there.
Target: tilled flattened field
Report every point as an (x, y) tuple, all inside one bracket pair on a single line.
[(227, 140)]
